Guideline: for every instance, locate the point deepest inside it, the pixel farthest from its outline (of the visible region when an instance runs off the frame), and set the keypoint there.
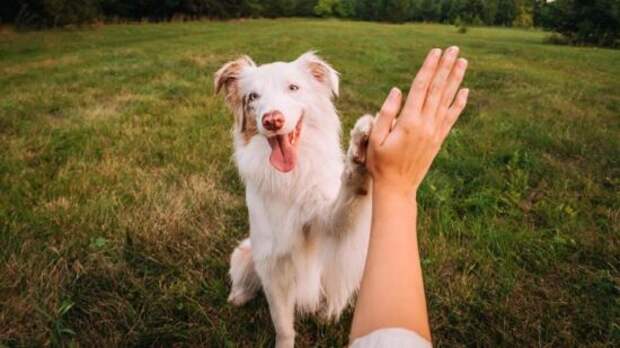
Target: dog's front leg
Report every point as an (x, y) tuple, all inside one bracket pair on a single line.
[(277, 278), (355, 181), (346, 223)]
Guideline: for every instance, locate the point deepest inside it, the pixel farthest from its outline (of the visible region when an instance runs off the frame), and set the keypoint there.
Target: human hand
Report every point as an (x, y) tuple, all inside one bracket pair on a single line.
[(401, 150)]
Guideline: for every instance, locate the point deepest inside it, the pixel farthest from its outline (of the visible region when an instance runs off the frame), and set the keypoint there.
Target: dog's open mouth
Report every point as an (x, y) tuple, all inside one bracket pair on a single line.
[(284, 149)]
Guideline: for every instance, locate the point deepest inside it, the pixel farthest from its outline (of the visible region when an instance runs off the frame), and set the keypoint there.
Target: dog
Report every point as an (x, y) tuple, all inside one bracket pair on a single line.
[(309, 203)]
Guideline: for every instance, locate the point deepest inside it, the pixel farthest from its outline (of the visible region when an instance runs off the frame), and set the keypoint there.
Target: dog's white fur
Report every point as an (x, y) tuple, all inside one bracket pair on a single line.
[(309, 227)]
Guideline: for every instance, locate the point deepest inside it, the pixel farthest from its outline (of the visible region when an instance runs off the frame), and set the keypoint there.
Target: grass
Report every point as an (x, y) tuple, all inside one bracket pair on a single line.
[(119, 204)]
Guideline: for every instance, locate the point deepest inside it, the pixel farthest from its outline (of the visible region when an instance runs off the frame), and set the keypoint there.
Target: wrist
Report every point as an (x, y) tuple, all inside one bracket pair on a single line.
[(394, 203), (396, 190)]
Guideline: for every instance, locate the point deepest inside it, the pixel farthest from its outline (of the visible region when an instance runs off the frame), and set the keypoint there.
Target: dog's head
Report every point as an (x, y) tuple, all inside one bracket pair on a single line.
[(272, 100)]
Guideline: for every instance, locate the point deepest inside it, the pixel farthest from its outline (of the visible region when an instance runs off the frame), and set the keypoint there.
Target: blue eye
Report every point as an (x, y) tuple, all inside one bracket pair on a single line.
[(293, 87)]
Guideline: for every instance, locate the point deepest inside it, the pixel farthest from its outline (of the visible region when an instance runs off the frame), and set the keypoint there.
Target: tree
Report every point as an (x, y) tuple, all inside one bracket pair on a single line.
[(506, 12), (304, 7), (584, 21), (429, 10), (524, 13), (325, 8), (445, 7), (346, 8), (396, 10)]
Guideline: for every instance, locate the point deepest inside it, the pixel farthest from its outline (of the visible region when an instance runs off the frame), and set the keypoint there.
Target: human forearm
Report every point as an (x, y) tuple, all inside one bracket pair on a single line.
[(392, 293), (402, 145)]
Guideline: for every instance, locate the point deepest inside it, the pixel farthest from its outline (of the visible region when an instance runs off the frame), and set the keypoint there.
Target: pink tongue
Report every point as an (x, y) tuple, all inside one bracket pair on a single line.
[(283, 154)]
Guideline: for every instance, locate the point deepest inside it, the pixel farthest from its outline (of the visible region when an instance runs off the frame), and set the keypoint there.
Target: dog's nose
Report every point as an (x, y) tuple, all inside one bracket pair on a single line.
[(273, 120)]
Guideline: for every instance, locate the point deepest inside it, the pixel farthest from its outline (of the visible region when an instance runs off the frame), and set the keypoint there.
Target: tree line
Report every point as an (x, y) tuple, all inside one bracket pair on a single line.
[(63, 12), (579, 21), (478, 12)]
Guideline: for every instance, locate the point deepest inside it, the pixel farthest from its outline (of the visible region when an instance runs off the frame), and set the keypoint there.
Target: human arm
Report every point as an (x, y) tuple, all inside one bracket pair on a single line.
[(400, 152)]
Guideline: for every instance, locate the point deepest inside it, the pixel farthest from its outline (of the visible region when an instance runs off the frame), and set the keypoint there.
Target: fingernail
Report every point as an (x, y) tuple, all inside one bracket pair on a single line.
[(463, 62), (453, 50), (466, 92), (435, 52), (394, 92)]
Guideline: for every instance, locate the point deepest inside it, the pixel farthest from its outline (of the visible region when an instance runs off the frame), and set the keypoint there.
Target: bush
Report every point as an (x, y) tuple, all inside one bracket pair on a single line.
[(25, 19), (595, 22), (557, 39), (461, 26), (50, 13), (325, 8), (65, 12)]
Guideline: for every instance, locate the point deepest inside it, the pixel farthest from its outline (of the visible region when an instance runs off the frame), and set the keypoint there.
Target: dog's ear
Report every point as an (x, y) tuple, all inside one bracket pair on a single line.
[(227, 77), (320, 70)]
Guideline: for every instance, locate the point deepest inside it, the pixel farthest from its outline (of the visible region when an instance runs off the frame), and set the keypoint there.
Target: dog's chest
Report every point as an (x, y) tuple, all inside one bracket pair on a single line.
[(277, 224)]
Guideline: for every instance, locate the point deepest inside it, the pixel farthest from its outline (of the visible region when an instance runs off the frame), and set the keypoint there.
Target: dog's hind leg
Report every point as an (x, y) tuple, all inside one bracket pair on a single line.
[(245, 281)]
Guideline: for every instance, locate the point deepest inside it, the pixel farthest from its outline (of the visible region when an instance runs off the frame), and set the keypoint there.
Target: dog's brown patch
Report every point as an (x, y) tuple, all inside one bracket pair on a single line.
[(318, 70), (227, 78), (310, 240), (247, 120)]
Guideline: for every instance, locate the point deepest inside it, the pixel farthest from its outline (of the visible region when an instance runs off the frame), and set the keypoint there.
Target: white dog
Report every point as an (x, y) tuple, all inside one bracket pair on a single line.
[(309, 206)]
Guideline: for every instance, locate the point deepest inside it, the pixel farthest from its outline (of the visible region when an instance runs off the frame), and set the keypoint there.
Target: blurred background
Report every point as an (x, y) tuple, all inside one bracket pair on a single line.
[(578, 21)]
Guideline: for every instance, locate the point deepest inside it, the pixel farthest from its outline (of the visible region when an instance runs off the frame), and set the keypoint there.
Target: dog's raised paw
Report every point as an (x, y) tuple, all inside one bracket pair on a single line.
[(359, 139)]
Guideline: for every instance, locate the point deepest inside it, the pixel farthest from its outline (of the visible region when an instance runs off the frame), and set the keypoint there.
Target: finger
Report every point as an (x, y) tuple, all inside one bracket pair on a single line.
[(454, 82), (385, 117), (455, 110), (438, 84), (419, 86)]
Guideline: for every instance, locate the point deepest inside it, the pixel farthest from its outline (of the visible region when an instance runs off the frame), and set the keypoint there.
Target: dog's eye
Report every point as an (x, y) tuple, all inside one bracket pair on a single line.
[(293, 87), (252, 96)]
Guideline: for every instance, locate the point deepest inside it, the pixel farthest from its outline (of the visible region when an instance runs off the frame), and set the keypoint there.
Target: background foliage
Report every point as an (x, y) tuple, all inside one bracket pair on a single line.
[(583, 21), (579, 21)]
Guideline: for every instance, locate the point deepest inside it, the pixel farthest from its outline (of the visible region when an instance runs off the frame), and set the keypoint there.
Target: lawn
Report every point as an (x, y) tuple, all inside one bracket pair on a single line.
[(120, 205)]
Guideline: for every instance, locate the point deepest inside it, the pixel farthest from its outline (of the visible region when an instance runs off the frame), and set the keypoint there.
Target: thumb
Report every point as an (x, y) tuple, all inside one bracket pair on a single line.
[(386, 116)]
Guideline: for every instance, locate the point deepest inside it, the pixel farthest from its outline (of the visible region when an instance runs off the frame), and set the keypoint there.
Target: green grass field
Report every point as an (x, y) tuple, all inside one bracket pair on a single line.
[(119, 203)]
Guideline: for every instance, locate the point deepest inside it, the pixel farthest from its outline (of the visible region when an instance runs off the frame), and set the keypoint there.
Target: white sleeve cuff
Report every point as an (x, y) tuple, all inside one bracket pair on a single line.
[(392, 337)]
